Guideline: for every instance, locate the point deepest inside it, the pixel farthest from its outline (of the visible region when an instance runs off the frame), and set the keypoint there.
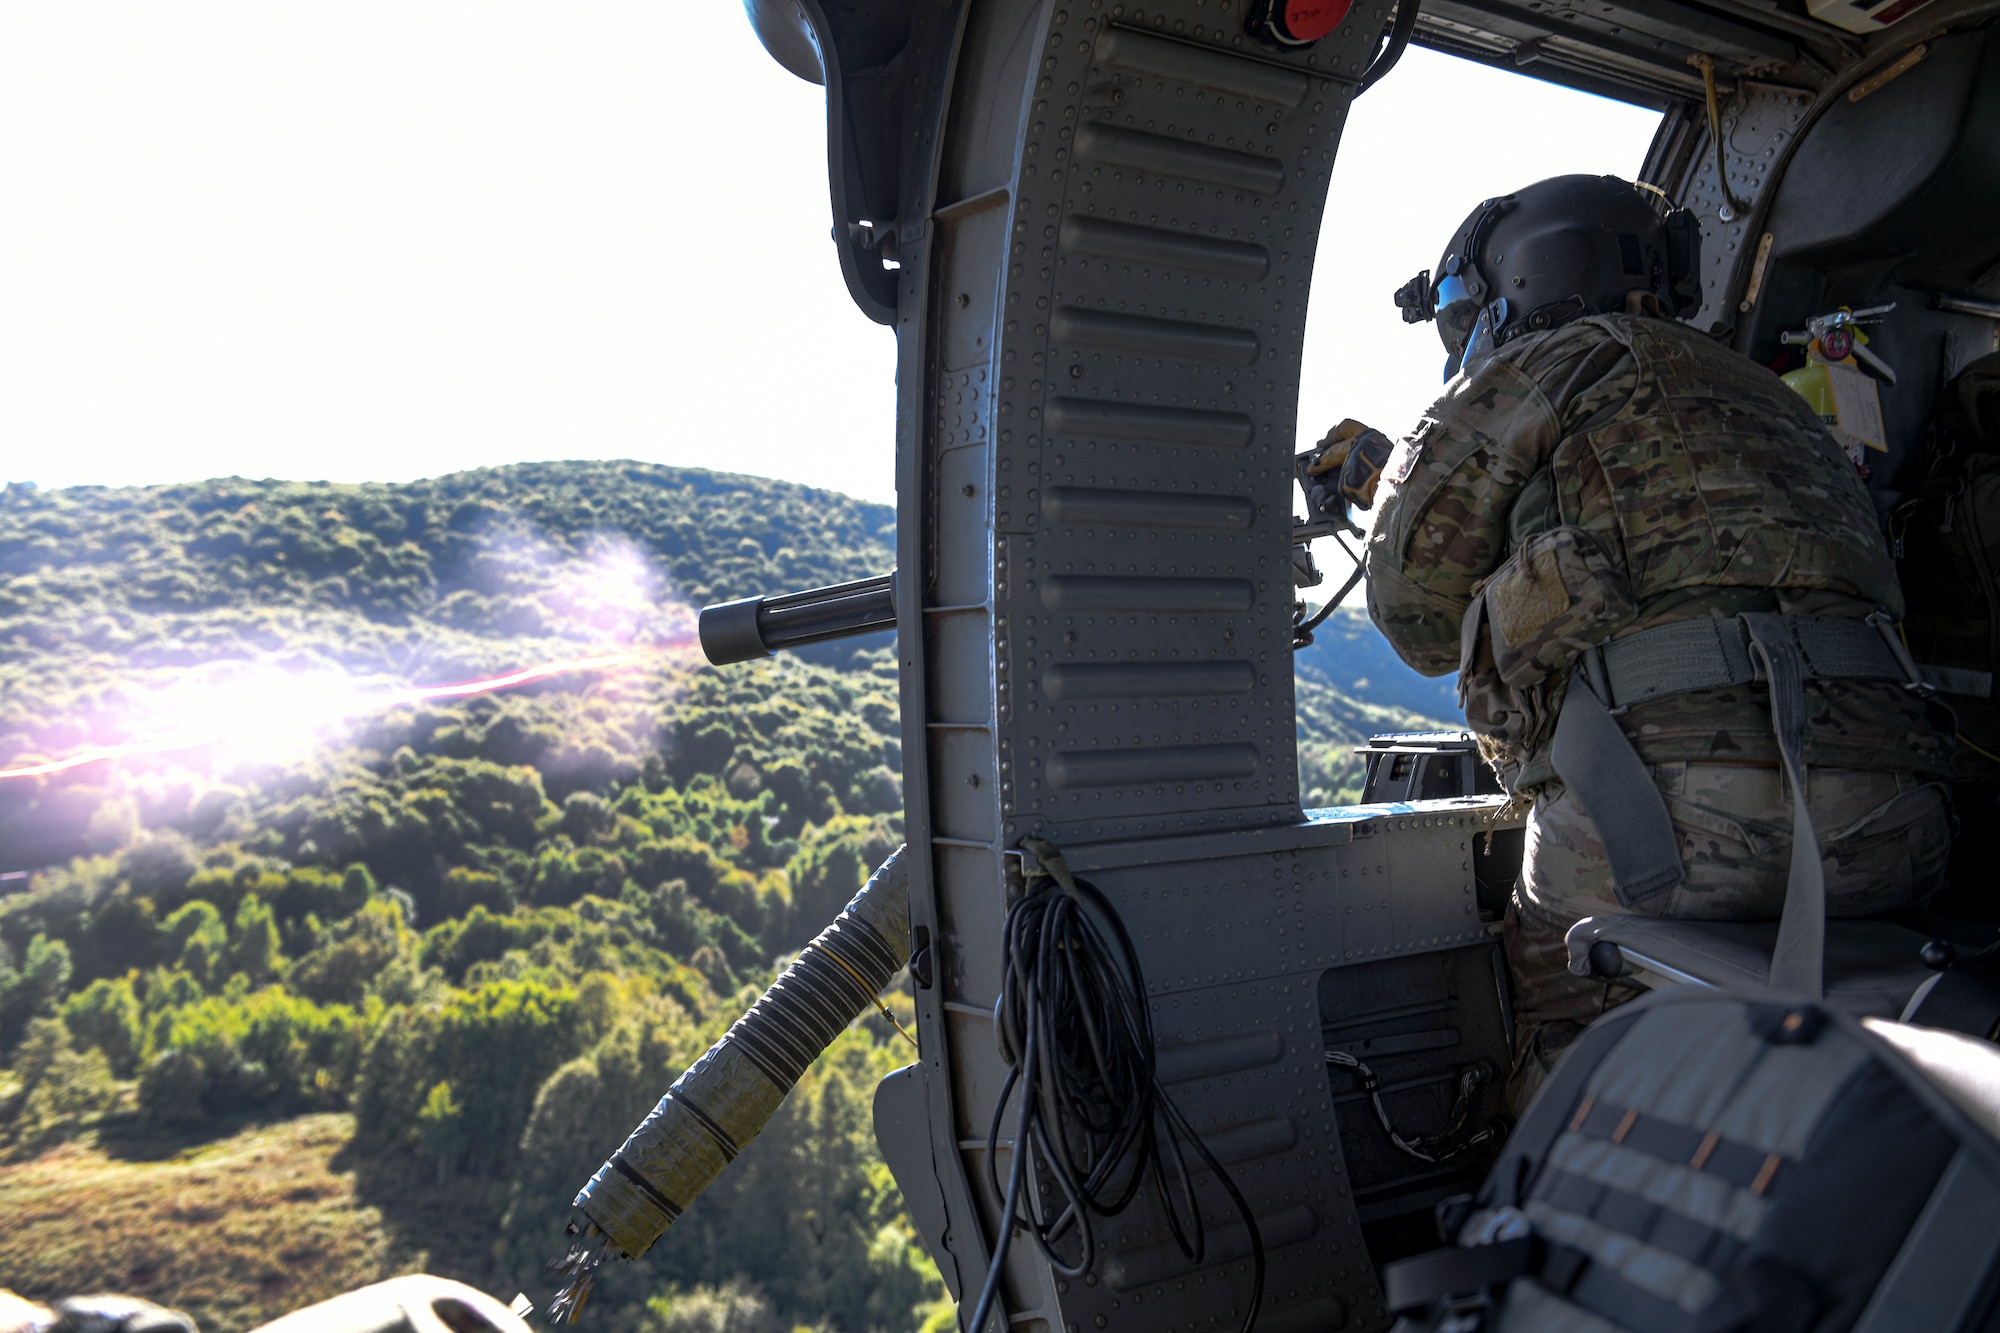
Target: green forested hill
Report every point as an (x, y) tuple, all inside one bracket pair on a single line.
[(113, 603), (1351, 655), (469, 940), (450, 576)]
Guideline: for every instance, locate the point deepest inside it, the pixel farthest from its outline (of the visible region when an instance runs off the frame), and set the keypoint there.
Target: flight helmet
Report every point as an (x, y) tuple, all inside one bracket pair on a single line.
[(1557, 250)]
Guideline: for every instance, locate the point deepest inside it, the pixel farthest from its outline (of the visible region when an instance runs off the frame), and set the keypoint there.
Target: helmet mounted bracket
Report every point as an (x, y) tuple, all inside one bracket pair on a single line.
[(1417, 299)]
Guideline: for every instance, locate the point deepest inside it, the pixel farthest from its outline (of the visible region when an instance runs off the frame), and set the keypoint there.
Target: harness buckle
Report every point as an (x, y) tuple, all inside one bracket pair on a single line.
[(1913, 679), (1747, 641), (1597, 675)]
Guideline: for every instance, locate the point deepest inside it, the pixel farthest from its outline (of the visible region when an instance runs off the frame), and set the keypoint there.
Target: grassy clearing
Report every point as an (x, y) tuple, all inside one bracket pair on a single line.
[(235, 1231)]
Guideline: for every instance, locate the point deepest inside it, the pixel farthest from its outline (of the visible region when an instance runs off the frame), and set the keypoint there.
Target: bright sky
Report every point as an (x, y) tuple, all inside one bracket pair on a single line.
[(378, 241)]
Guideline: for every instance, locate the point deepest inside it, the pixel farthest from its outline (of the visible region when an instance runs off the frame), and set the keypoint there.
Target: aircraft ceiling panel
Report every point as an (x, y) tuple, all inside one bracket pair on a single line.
[(1623, 53), (1638, 50)]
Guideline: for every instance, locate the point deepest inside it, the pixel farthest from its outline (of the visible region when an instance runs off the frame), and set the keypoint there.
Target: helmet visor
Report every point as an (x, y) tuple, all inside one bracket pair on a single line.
[(1451, 289), (1456, 311)]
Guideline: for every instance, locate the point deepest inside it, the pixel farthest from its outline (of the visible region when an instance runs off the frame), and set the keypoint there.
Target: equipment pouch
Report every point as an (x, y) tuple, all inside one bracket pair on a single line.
[(1557, 595), (1512, 724)]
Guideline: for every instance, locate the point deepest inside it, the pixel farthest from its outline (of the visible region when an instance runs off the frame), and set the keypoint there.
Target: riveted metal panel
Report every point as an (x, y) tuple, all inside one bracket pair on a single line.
[(1100, 328), (1235, 931)]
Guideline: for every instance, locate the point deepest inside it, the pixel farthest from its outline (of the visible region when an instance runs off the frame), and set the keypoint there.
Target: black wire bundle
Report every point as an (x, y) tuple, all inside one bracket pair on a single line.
[(1302, 632), (1093, 1121)]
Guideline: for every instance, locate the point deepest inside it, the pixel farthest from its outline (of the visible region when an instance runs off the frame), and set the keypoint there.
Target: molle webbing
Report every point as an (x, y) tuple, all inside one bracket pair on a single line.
[(1700, 1162), (1719, 476), (1710, 653), (724, 1100), (1658, 1207), (1581, 1286), (1634, 1216), (1739, 1164)]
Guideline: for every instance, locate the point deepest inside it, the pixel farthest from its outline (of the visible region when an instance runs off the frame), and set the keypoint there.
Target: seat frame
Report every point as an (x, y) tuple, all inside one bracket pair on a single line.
[(1874, 968)]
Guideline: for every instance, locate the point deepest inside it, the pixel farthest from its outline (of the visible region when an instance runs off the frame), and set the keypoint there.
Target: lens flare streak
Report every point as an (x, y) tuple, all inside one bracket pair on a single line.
[(345, 705)]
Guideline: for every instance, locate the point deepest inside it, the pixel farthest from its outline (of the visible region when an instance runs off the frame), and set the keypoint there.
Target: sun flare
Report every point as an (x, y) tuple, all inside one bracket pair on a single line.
[(270, 715)]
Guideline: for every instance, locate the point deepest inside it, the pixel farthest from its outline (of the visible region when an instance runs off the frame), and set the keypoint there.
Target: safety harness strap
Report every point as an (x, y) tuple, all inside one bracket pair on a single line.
[(1412, 1284), (1796, 962), (1597, 763), (1957, 680), (1604, 773)]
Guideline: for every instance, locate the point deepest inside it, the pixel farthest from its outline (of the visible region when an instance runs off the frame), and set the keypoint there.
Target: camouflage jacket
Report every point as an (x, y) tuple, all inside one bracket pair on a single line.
[(1659, 477)]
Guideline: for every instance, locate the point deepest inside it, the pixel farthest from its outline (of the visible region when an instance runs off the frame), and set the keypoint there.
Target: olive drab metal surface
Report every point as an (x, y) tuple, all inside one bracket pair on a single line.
[(1100, 321)]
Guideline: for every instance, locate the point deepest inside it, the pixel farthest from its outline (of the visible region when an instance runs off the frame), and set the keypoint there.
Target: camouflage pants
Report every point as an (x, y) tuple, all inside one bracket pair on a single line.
[(1884, 839)]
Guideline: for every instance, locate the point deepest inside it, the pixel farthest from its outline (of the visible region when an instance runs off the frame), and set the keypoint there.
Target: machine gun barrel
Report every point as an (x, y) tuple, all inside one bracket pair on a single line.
[(753, 627)]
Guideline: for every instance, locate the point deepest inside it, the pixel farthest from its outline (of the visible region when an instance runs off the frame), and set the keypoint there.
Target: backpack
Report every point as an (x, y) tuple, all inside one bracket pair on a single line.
[(1946, 540), (1702, 1162)]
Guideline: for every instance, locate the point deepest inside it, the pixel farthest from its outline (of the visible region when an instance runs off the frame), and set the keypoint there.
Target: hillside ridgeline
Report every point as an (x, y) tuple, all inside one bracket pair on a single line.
[(469, 940)]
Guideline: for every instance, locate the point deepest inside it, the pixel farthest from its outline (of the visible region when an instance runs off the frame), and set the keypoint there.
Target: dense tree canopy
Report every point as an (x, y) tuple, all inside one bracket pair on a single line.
[(492, 928)]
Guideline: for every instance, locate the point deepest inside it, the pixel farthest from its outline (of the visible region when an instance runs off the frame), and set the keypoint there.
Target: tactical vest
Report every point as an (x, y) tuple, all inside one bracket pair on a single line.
[(1713, 476), (1717, 475)]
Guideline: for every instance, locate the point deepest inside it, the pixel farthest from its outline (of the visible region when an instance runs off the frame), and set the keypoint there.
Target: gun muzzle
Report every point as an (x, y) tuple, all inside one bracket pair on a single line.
[(754, 627)]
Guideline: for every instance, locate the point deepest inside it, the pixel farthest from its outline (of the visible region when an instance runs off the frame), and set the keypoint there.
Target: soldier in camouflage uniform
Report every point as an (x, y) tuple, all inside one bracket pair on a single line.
[(1586, 477)]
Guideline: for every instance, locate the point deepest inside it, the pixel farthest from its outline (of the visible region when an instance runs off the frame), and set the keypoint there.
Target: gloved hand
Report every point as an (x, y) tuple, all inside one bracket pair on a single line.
[(1357, 453)]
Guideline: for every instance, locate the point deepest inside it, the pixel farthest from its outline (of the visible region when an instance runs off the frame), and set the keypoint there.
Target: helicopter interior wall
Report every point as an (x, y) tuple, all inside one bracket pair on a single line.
[(1099, 214), (1892, 197), (1421, 1025)]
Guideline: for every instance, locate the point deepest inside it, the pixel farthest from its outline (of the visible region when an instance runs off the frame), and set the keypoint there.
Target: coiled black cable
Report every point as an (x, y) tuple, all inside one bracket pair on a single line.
[(1092, 1117)]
